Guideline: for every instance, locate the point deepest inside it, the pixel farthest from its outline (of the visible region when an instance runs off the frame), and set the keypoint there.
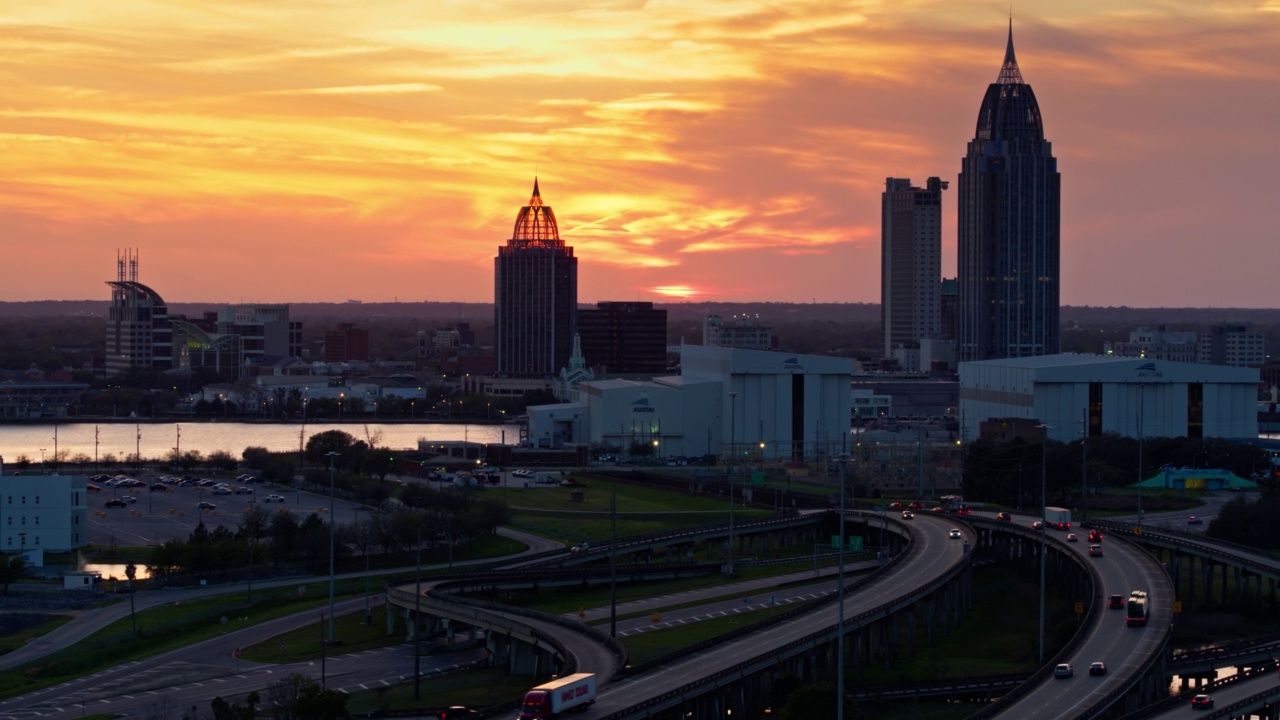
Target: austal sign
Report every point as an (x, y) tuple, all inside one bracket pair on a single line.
[(1149, 371)]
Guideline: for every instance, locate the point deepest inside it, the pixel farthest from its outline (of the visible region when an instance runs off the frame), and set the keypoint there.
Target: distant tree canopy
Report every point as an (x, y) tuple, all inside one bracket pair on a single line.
[(1009, 474)]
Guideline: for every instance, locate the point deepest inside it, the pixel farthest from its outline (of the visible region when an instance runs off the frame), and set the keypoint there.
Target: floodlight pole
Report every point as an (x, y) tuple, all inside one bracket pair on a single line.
[(332, 522)]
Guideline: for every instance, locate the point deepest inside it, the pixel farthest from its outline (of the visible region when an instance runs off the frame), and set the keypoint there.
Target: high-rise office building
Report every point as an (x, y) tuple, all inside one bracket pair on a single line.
[(535, 296), (910, 262), (346, 343), (139, 332), (624, 337), (1008, 227)]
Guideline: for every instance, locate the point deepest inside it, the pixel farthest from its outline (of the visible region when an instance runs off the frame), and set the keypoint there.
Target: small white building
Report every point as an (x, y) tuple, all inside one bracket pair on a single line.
[(1133, 397), (89, 580), (45, 513)]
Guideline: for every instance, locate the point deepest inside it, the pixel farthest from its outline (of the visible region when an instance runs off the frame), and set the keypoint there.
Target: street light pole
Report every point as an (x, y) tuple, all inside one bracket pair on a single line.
[(331, 455), (417, 617), (613, 561), (733, 439), (1084, 465), (840, 605), (1142, 407), (1044, 472)]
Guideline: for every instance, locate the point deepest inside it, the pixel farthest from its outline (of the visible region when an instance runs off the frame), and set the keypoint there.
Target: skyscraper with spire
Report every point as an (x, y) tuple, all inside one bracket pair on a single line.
[(1009, 212), (535, 296)]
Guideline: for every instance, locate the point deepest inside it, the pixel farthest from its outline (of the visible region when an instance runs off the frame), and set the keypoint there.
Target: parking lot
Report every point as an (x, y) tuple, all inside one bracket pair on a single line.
[(160, 515)]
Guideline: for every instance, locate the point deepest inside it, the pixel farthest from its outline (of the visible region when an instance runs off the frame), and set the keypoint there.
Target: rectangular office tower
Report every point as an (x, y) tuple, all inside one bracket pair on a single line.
[(535, 296), (910, 262), (624, 338), (1008, 227)]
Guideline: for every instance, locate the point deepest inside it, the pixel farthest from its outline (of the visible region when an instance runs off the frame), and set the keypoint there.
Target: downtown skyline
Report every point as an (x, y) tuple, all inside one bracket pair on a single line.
[(709, 152)]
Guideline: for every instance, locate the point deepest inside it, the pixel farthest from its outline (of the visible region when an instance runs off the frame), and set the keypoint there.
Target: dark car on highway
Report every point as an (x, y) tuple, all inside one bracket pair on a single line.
[(1116, 602)]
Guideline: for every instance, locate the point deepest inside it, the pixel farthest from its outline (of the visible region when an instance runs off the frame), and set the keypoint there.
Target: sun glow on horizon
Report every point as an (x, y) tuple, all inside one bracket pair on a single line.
[(365, 147)]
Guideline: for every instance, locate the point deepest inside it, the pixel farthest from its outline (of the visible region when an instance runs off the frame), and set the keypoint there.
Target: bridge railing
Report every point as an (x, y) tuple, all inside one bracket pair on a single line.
[(1224, 652), (1093, 615), (1184, 698), (1185, 539), (812, 640), (774, 619)]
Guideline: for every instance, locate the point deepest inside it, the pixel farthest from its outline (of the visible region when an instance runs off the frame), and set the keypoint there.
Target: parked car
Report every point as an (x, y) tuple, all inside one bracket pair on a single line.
[(243, 491), (273, 498), (90, 487), (1098, 668), (221, 490), (115, 503), (206, 505), (1202, 702), (1063, 670), (129, 499), (161, 487)]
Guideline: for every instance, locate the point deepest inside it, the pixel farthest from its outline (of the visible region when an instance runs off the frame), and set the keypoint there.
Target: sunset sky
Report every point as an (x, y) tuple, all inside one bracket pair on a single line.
[(717, 150)]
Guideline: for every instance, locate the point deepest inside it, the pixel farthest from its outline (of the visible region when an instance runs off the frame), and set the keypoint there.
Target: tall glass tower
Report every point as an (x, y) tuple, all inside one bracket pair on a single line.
[(1009, 212), (535, 296)]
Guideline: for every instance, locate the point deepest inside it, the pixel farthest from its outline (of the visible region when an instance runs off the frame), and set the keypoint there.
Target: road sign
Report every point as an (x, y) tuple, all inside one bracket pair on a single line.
[(1177, 606), (1137, 530)]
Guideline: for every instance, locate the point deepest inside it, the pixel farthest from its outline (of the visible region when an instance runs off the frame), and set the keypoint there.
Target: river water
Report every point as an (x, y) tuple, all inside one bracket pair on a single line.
[(157, 440)]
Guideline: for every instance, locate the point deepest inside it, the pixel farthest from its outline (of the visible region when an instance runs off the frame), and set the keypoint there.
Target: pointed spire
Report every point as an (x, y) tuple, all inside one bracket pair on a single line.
[(1009, 73), (537, 196)]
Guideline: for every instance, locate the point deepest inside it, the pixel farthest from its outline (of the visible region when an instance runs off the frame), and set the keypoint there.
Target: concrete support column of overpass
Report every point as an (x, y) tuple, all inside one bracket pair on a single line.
[(930, 611), (911, 629), (858, 652), (499, 647), (1206, 580), (1175, 573), (526, 659)]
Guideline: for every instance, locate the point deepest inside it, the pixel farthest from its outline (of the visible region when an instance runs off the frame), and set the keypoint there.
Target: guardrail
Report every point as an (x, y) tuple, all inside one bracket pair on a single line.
[(897, 691), (1092, 616), (808, 641), (1184, 698), (1110, 699), (1191, 540), (684, 533), (1224, 652), (774, 619)]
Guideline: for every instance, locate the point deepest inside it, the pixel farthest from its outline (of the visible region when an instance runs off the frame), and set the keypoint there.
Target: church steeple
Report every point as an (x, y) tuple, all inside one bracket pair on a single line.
[(1009, 73)]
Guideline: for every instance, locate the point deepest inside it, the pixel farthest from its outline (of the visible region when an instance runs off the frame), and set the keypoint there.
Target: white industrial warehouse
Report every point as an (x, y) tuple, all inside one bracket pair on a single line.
[(1133, 397), (780, 406)]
